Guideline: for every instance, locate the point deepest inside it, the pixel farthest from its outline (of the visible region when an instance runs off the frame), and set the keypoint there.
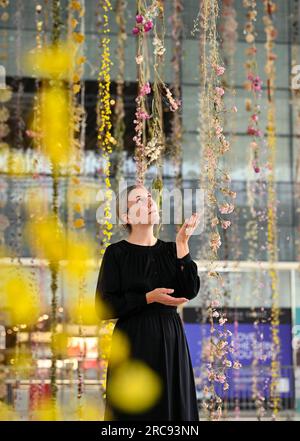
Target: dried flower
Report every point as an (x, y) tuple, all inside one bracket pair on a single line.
[(236, 365), (226, 208), (215, 242), (135, 31), (222, 321), (139, 18), (139, 59), (219, 69), (225, 224), (226, 386), (145, 89), (219, 91), (148, 26), (256, 82)]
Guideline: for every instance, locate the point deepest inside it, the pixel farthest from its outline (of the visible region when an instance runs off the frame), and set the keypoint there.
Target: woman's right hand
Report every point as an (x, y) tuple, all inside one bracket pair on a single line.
[(162, 295)]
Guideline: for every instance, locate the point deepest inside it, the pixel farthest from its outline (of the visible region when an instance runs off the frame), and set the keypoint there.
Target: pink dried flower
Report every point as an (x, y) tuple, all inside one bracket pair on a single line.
[(254, 132), (219, 91), (215, 242), (220, 70), (145, 89), (143, 115), (225, 224), (135, 31), (234, 109), (221, 378), (139, 18), (219, 130), (226, 208), (148, 26)]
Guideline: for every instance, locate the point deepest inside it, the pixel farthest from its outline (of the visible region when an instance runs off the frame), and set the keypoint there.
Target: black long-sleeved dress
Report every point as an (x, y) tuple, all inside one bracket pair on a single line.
[(155, 331)]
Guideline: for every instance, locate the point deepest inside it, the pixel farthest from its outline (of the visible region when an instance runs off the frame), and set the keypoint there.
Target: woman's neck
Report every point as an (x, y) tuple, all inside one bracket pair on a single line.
[(142, 237)]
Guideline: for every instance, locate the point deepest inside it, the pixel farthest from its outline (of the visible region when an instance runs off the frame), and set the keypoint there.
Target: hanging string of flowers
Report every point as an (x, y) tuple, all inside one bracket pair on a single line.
[(228, 45), (148, 151), (20, 124), (76, 214), (296, 110), (270, 8), (214, 145), (255, 190), (119, 111), (5, 90), (54, 264), (157, 143), (176, 122), (253, 84), (105, 138), (105, 143)]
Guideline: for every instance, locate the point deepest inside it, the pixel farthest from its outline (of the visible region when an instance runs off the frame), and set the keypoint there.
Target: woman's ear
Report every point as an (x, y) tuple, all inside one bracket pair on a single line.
[(124, 218)]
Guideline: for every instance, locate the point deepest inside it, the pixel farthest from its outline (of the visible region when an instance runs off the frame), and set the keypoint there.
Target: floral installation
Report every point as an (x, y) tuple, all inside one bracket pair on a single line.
[(77, 138), (150, 121), (296, 107), (118, 103), (228, 34), (228, 30), (220, 352), (105, 138), (270, 9), (256, 194), (5, 92)]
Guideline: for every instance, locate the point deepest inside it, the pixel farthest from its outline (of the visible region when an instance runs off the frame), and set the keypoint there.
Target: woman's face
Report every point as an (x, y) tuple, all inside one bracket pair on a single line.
[(142, 209)]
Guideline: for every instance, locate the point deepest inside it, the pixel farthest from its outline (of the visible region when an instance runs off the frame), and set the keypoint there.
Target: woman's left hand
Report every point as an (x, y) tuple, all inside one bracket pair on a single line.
[(188, 228)]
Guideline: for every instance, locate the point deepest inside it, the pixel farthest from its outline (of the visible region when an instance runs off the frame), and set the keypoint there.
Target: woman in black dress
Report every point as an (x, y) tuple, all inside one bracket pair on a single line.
[(142, 280)]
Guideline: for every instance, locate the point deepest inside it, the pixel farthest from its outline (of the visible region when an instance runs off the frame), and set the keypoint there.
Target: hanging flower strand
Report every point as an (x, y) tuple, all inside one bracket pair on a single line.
[(253, 84), (270, 69), (215, 144), (105, 138), (148, 151)]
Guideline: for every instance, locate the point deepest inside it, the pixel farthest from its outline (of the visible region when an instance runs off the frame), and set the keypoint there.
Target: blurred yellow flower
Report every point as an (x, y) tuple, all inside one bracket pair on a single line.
[(53, 61), (120, 347), (134, 386), (20, 299)]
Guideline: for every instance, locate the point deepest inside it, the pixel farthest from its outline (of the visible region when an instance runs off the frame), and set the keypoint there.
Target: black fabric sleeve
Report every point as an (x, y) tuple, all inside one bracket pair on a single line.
[(187, 278), (109, 291)]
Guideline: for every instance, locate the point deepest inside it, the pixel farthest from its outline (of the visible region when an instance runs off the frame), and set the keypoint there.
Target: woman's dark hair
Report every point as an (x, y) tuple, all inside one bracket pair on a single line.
[(122, 205)]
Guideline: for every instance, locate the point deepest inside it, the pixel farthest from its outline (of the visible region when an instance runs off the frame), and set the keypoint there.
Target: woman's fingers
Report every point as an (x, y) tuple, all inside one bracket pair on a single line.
[(191, 223), (176, 301)]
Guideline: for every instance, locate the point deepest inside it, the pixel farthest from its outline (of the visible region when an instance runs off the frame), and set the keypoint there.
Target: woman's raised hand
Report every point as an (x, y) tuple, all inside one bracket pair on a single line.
[(163, 295), (187, 228)]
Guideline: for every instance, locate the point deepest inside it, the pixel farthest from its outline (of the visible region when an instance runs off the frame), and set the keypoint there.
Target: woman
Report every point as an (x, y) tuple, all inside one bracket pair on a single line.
[(142, 280)]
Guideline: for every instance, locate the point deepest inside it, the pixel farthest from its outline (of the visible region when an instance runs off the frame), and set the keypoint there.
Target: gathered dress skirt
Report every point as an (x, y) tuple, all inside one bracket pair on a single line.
[(158, 339)]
